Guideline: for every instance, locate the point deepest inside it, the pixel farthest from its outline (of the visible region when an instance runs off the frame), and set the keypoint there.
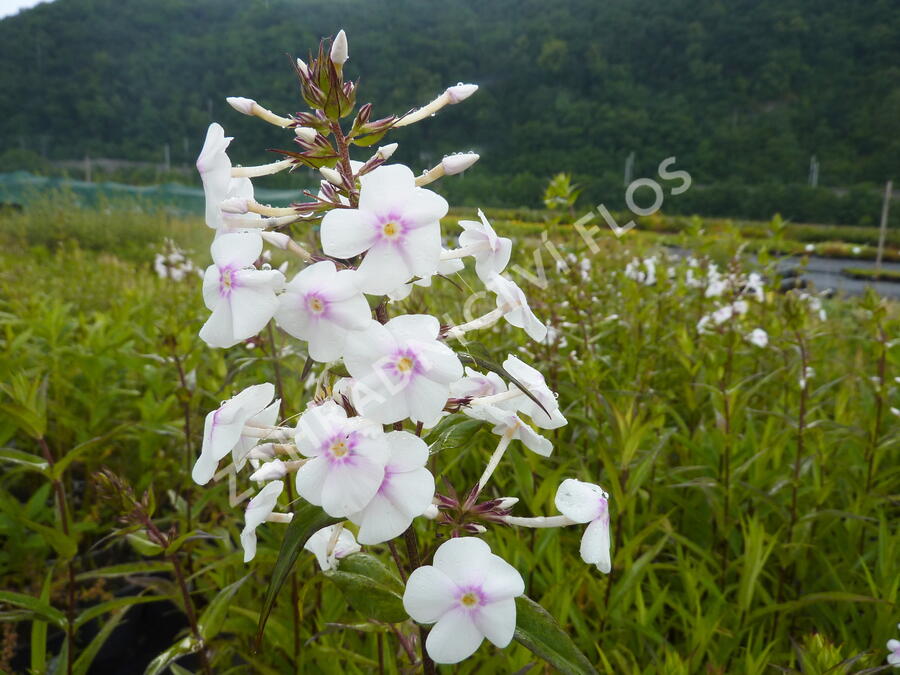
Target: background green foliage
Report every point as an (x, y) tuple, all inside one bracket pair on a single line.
[(696, 437), (742, 93)]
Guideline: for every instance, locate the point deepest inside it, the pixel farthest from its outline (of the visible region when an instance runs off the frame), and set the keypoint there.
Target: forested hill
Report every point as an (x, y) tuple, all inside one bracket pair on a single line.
[(737, 90)]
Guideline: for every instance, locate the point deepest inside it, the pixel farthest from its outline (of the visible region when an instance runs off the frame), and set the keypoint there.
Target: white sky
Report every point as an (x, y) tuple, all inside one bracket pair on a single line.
[(8, 7)]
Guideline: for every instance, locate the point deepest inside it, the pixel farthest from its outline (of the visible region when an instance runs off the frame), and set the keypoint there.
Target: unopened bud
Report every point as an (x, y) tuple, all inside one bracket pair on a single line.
[(475, 528), (273, 470), (431, 512), (454, 164), (331, 176), (460, 92), (235, 205), (263, 451), (506, 503), (305, 134), (385, 151), (241, 104), (277, 239), (302, 67), (339, 49)]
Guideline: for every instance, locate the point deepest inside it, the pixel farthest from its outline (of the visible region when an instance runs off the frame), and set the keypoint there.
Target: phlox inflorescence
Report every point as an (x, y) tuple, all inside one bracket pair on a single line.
[(357, 450)]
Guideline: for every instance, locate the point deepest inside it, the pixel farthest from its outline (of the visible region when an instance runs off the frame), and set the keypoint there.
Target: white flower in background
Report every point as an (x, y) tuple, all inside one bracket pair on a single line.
[(808, 373), (809, 248), (242, 298), (474, 384), (406, 491), (856, 250), (715, 283), (893, 646), (514, 305), (491, 252), (550, 416), (321, 305), (469, 594), (758, 337), (647, 275), (401, 370), (588, 503), (224, 427), (895, 411), (259, 510), (347, 459), (754, 286), (330, 545), (397, 226), (722, 314)]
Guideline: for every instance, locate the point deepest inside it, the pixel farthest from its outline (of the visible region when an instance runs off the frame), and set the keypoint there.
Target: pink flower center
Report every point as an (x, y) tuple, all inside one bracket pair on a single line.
[(391, 229), (227, 281), (316, 304), (470, 598), (340, 448)]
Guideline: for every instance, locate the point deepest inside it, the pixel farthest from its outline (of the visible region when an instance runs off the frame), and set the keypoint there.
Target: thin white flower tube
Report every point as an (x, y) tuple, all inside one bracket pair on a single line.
[(451, 96)]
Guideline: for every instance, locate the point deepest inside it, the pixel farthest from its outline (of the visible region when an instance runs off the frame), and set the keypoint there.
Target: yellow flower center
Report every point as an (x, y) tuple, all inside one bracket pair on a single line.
[(405, 364), (390, 229), (226, 278), (468, 600), (316, 305), (339, 449)]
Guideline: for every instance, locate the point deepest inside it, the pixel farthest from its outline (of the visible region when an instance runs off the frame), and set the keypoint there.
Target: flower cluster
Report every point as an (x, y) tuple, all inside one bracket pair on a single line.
[(357, 449), (173, 262)]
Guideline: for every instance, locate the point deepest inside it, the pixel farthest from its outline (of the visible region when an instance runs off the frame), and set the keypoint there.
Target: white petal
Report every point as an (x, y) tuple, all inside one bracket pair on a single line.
[(408, 451), (365, 347), (453, 638), (380, 521), (251, 310), (237, 249), (420, 327), (580, 501), (211, 296), (311, 479), (497, 621), (384, 268), (422, 249), (595, 545), (462, 557), (348, 489), (385, 188), (429, 594), (425, 207), (218, 330), (425, 400), (347, 232)]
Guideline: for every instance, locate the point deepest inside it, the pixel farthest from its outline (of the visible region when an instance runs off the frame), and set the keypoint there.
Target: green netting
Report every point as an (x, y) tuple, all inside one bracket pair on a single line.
[(21, 187)]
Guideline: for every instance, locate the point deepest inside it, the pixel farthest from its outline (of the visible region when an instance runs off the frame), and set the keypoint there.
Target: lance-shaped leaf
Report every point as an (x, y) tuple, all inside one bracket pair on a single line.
[(537, 630), (307, 520), (370, 588)]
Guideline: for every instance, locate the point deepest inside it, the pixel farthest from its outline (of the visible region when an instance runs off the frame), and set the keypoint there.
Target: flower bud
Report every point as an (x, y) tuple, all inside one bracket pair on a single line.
[(431, 512), (241, 104), (454, 164), (475, 528), (235, 205), (506, 503), (386, 151), (460, 92), (331, 176), (339, 49), (302, 67), (263, 451), (305, 134), (274, 470)]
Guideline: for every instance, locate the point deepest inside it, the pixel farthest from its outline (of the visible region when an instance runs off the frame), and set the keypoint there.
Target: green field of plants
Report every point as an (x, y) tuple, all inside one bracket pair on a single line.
[(753, 482)]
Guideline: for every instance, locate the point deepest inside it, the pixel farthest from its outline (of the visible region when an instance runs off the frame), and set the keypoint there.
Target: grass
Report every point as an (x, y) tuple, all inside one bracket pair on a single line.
[(754, 517), (871, 274)]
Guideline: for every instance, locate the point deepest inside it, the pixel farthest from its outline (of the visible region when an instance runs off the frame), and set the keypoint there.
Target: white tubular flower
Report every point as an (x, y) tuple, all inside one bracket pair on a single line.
[(266, 418), (758, 337), (241, 104), (321, 305), (405, 493), (215, 172), (348, 458), (401, 370), (224, 426), (259, 510), (469, 594), (397, 226), (474, 384), (491, 252), (330, 544), (340, 51), (514, 305), (509, 425), (588, 503), (534, 382), (460, 92), (242, 298)]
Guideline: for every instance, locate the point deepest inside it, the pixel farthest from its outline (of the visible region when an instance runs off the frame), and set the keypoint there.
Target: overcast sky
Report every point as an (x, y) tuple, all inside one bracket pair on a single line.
[(8, 7)]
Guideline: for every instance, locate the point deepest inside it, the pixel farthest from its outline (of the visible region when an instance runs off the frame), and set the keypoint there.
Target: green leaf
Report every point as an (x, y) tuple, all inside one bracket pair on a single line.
[(65, 546), (73, 454), (188, 645), (84, 660), (370, 588), (178, 670), (537, 630), (39, 631), (214, 615), (26, 459), (125, 569), (41, 609), (117, 603), (142, 544), (307, 520)]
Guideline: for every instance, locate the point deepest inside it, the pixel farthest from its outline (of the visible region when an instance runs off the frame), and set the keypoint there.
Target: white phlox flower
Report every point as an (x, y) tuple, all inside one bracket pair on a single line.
[(330, 544), (406, 491), (401, 370), (242, 298), (469, 594), (322, 305), (397, 227), (347, 459), (548, 417), (224, 428), (474, 384), (588, 503), (491, 252), (758, 337), (893, 658), (511, 301), (259, 510)]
